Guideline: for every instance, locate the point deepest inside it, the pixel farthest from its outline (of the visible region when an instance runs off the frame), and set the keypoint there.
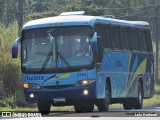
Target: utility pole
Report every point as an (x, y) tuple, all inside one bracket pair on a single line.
[(157, 44), (20, 20)]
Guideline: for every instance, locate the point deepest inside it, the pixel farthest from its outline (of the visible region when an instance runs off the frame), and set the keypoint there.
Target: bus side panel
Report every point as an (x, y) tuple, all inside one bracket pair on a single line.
[(125, 70), (115, 66), (135, 72), (100, 85), (152, 75), (149, 77), (140, 69)]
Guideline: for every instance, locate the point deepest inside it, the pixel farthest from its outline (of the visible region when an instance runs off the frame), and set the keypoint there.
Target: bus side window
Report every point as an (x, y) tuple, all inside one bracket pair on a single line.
[(148, 41), (107, 43), (124, 38), (115, 37), (133, 37), (98, 56), (142, 40)]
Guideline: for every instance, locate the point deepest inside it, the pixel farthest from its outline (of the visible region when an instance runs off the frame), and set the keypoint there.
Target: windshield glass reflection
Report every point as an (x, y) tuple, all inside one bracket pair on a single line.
[(52, 48)]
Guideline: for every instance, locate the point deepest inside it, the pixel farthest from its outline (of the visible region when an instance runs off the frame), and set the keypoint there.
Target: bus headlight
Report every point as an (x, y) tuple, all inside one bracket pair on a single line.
[(84, 82), (31, 86)]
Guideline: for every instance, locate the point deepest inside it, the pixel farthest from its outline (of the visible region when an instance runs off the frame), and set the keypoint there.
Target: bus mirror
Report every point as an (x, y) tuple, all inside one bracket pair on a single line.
[(15, 48), (94, 43)]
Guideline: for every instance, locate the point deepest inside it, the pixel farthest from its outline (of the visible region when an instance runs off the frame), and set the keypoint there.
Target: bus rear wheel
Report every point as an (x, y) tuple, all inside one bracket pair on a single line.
[(103, 104), (139, 100), (127, 104), (44, 107)]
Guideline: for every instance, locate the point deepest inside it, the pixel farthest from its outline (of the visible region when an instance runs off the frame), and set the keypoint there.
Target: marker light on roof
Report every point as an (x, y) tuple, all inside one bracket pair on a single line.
[(72, 13)]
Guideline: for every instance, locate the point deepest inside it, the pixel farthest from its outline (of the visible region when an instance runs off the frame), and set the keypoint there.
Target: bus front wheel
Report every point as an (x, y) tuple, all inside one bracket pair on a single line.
[(78, 108), (85, 107), (89, 107), (44, 107), (103, 104)]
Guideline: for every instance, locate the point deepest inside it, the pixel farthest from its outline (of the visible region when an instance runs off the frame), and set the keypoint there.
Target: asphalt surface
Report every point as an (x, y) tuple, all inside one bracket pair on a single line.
[(113, 112)]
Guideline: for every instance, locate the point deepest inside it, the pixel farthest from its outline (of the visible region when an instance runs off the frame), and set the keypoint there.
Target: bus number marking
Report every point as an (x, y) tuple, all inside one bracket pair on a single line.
[(81, 74), (118, 64)]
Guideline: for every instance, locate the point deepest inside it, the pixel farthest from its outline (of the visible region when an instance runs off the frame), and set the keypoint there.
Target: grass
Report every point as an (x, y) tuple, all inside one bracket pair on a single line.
[(154, 101), (26, 109), (18, 109)]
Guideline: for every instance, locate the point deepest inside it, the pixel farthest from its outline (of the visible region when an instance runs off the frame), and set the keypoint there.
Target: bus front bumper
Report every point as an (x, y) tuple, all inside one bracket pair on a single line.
[(65, 96)]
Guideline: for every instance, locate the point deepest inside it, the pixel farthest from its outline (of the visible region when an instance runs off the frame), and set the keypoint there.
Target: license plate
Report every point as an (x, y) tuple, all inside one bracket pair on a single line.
[(59, 99)]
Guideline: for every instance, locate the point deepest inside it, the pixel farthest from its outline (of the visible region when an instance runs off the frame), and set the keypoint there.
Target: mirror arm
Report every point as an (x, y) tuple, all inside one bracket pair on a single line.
[(15, 48)]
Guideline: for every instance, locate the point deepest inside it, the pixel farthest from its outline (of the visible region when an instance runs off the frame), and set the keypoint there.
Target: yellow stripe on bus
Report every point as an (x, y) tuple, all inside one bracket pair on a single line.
[(140, 70)]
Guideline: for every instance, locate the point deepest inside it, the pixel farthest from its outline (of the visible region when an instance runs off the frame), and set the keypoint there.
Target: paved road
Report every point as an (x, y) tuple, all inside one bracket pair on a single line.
[(113, 112)]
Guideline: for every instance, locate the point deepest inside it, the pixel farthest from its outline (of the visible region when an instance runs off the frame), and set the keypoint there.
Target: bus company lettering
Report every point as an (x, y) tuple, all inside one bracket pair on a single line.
[(34, 77), (118, 64)]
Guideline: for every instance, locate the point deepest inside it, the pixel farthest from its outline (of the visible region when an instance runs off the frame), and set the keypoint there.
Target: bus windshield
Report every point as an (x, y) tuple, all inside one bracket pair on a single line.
[(48, 49)]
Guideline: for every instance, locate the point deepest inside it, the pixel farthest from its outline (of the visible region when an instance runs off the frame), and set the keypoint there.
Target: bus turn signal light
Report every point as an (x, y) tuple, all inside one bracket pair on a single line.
[(25, 85)]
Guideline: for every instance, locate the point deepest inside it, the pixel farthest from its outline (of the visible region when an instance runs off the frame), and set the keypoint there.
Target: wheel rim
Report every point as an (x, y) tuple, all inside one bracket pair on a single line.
[(140, 97)]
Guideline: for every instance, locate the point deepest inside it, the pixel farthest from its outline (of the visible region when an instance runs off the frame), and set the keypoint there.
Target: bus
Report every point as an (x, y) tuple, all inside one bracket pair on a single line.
[(81, 60)]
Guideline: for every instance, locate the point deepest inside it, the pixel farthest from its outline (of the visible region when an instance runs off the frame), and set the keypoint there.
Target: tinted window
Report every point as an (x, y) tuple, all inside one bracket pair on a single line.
[(104, 38), (133, 37), (148, 41), (142, 40), (107, 43), (98, 29), (124, 38), (115, 37)]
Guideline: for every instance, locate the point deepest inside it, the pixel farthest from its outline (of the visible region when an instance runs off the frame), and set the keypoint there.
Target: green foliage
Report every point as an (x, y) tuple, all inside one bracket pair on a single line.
[(39, 6), (9, 101), (41, 15), (9, 12), (7, 36), (157, 89), (14, 100), (10, 74)]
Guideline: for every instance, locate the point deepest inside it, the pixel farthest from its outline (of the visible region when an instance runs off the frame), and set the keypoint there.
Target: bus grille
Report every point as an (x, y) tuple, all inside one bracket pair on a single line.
[(58, 86)]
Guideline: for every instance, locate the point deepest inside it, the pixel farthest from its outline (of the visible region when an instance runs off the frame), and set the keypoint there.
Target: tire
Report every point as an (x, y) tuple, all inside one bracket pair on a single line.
[(85, 107), (89, 107), (78, 108), (103, 104), (44, 107), (127, 104), (139, 100)]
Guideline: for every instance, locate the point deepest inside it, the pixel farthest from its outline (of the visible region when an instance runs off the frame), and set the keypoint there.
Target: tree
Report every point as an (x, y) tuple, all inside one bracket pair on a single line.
[(39, 6)]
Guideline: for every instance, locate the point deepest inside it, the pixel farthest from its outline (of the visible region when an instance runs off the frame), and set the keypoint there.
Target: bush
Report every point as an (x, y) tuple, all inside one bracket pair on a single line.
[(9, 101), (10, 74), (41, 15), (7, 37)]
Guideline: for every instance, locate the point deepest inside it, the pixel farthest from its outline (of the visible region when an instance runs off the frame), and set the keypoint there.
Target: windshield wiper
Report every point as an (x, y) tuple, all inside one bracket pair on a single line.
[(48, 57), (64, 60), (46, 61)]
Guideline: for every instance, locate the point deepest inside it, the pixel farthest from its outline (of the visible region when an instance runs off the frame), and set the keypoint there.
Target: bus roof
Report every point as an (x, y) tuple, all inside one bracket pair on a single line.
[(73, 20)]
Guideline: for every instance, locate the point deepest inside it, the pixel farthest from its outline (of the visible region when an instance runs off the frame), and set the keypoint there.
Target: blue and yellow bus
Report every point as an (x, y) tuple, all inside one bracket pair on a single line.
[(80, 60)]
